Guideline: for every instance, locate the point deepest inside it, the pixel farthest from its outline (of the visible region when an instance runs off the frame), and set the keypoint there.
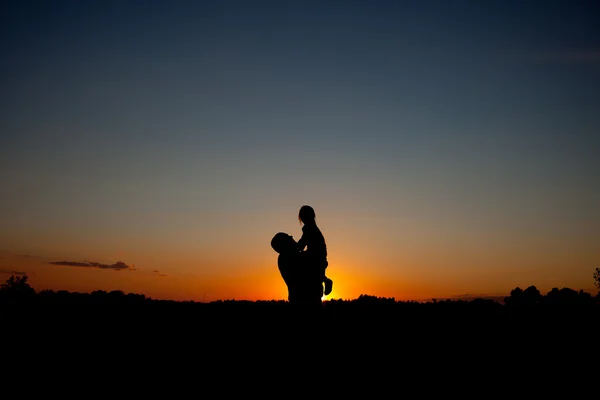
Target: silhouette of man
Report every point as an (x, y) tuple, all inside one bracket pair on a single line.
[(303, 279)]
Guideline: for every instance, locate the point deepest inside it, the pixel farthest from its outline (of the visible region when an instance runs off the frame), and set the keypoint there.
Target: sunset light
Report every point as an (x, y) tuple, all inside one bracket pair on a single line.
[(447, 149)]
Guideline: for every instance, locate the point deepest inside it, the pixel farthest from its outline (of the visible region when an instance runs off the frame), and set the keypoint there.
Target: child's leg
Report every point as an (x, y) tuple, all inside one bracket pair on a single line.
[(328, 282)]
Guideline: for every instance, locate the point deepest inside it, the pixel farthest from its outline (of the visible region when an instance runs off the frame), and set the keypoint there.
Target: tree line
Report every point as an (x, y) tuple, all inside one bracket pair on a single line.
[(17, 290)]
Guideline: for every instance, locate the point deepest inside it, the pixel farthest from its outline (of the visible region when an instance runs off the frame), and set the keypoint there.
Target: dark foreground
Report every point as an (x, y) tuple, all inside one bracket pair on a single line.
[(562, 323), (117, 344), (365, 340), (385, 318)]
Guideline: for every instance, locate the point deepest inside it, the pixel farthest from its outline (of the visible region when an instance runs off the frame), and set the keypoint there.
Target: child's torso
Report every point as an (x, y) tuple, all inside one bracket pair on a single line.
[(315, 241)]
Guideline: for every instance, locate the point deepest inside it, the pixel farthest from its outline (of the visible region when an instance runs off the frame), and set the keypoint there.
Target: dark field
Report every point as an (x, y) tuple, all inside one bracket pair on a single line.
[(367, 338), (567, 310), (562, 318)]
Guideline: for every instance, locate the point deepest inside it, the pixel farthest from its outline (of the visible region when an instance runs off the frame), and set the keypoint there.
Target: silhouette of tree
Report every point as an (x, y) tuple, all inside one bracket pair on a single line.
[(532, 295), (515, 295), (17, 283), (16, 289), (597, 279), (567, 296)]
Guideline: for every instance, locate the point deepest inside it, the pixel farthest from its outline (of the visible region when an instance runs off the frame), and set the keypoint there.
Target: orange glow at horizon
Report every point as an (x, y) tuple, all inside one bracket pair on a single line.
[(256, 282)]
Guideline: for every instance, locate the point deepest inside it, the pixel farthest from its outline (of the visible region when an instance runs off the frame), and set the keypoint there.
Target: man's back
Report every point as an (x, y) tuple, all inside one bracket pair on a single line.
[(302, 279)]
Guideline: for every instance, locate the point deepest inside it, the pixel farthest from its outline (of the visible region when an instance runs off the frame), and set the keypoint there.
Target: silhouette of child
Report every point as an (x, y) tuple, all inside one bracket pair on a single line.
[(313, 240)]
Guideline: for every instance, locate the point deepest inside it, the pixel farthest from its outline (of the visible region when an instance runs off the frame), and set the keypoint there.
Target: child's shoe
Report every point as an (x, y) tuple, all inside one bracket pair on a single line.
[(328, 286)]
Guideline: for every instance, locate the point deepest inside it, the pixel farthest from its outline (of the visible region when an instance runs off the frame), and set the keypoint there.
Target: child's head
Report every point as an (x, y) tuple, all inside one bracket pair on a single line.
[(306, 214)]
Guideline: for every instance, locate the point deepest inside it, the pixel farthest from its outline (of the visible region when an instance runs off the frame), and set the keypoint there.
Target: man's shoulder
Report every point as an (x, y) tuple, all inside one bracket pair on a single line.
[(288, 258)]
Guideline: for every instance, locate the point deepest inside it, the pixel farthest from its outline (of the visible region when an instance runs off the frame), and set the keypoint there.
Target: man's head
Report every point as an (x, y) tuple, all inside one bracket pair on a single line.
[(283, 243)]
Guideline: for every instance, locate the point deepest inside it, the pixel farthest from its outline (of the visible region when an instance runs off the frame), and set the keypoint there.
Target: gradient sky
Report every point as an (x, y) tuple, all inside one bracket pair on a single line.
[(448, 147)]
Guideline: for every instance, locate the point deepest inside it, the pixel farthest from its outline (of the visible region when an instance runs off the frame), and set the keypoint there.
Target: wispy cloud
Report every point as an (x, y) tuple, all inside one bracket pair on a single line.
[(12, 272), (118, 266), (157, 272)]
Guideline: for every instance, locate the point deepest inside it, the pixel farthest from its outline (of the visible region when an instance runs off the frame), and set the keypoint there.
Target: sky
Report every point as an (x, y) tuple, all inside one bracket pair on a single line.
[(448, 147)]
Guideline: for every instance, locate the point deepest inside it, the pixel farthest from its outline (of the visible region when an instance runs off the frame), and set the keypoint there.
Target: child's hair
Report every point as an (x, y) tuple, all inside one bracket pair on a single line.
[(307, 213)]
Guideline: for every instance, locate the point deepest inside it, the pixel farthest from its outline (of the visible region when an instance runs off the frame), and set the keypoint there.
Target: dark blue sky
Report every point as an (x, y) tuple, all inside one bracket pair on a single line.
[(424, 119)]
